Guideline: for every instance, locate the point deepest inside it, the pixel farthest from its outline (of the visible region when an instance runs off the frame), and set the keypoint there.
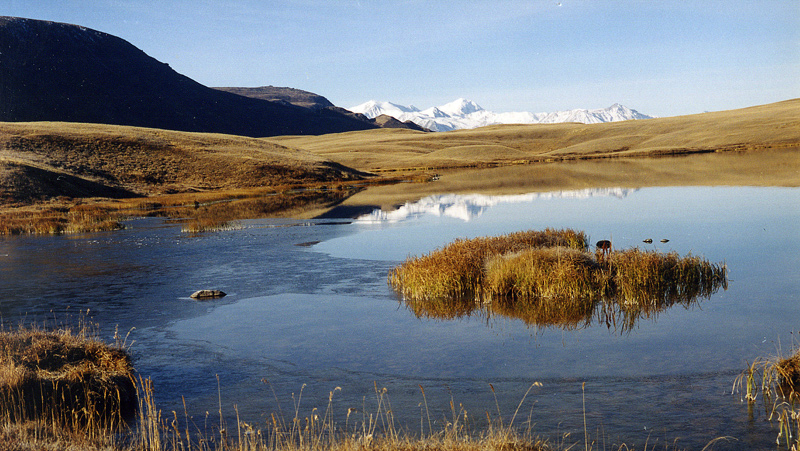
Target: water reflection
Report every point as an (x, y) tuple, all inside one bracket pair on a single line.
[(617, 315)]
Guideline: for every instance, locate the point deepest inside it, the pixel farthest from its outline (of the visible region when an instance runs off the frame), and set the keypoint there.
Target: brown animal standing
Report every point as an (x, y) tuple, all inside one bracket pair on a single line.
[(604, 245)]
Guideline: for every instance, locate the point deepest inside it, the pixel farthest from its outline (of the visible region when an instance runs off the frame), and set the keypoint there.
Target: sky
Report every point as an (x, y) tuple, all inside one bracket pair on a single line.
[(662, 58)]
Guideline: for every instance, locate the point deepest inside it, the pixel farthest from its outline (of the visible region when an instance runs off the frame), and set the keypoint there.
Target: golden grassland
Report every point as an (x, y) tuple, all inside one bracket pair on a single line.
[(549, 279), (150, 161), (47, 169), (769, 126)]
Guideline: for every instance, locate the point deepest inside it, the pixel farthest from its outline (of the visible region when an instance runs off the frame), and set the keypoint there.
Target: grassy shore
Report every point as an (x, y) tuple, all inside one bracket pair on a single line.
[(85, 388), (63, 385), (63, 389)]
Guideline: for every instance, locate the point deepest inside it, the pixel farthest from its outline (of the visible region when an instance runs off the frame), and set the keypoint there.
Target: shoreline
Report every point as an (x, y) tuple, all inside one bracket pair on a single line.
[(772, 167), (216, 209)]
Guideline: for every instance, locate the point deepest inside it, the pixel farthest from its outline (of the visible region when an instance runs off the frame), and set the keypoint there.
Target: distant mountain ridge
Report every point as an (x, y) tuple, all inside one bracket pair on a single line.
[(466, 114), (316, 102), (52, 71), (286, 95)]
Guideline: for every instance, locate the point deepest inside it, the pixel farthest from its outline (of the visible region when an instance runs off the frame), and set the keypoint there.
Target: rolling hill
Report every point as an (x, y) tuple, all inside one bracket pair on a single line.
[(775, 125), (43, 160)]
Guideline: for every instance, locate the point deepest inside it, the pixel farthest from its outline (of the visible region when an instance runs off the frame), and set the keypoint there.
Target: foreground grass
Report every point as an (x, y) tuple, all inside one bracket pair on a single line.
[(62, 385), (64, 389), (549, 278), (87, 387), (777, 380)]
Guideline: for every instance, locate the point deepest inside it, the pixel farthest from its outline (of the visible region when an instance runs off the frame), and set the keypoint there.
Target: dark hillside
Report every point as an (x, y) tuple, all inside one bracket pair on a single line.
[(59, 72), (293, 96), (318, 103)]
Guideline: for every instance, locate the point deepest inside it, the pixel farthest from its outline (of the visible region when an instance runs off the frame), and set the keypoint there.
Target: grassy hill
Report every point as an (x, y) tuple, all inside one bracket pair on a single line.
[(46, 159), (769, 126)]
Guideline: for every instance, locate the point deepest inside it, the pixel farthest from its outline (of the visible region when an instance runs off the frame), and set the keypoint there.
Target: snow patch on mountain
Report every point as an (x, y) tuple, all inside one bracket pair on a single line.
[(462, 113)]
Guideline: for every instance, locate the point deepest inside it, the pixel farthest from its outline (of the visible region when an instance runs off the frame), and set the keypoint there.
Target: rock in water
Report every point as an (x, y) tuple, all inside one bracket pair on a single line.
[(207, 294)]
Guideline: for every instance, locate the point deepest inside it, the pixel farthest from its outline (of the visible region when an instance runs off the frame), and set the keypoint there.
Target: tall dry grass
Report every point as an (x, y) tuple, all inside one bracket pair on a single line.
[(456, 271), (64, 383), (58, 219), (645, 278), (552, 281), (553, 286), (777, 380), (317, 430)]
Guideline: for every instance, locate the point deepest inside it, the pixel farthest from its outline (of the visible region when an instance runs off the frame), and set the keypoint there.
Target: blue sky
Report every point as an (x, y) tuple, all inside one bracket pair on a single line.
[(662, 58)]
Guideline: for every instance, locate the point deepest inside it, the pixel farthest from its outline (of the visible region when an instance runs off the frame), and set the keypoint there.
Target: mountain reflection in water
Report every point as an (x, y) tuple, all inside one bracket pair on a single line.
[(469, 206)]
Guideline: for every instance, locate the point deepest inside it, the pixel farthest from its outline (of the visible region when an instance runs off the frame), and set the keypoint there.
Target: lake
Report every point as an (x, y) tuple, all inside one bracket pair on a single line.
[(309, 310)]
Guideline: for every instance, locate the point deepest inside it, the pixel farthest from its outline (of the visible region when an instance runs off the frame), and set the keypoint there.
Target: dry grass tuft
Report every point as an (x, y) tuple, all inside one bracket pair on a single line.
[(317, 430), (63, 378), (777, 379)]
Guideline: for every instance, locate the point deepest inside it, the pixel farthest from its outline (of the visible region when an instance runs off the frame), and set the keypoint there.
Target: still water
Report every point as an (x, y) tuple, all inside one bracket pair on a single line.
[(309, 310)]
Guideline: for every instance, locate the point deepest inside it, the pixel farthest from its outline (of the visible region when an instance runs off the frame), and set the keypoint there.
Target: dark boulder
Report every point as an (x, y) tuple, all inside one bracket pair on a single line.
[(208, 294)]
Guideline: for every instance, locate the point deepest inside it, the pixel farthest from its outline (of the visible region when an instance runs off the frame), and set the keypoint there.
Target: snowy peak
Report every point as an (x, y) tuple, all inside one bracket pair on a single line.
[(373, 109), (460, 107), (435, 112), (462, 113)]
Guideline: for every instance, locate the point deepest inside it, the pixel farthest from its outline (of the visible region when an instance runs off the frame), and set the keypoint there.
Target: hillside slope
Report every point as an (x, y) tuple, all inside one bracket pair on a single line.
[(60, 72), (42, 160), (768, 126)]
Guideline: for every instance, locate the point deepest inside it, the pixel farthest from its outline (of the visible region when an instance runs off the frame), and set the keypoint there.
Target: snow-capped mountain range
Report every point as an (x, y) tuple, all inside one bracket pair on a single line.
[(463, 113)]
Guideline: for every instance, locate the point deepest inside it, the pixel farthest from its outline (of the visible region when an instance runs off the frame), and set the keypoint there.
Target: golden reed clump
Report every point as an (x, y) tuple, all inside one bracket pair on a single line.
[(549, 278), (457, 270)]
